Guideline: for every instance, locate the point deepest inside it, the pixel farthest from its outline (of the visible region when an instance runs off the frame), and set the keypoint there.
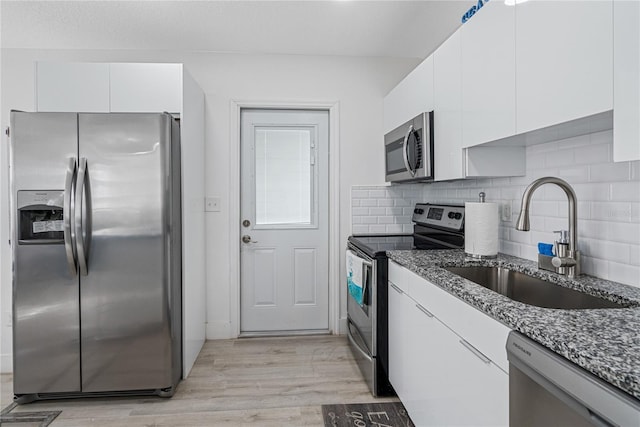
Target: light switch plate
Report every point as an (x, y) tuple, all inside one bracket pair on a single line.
[(212, 204)]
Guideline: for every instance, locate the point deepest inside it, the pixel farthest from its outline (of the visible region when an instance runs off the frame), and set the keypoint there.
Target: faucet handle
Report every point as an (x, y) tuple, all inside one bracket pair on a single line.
[(564, 236)]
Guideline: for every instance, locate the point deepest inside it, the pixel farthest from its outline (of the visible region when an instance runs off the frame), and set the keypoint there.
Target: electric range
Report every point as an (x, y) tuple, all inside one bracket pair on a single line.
[(436, 226)]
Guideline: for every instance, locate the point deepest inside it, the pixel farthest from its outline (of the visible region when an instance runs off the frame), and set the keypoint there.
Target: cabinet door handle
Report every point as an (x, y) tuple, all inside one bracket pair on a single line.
[(475, 351), (397, 289), (424, 310)]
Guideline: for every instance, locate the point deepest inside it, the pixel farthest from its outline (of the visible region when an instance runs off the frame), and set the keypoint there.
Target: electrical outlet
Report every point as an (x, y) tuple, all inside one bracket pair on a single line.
[(212, 204), (505, 212)]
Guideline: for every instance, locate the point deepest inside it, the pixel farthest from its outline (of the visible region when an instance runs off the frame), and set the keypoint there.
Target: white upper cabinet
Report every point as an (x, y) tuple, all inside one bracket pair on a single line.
[(144, 88), (564, 61), (447, 115), (412, 96), (488, 74), (104, 87), (72, 86), (626, 83)]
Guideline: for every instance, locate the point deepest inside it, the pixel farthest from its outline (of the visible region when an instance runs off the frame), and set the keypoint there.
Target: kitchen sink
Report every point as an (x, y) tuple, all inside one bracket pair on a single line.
[(531, 290)]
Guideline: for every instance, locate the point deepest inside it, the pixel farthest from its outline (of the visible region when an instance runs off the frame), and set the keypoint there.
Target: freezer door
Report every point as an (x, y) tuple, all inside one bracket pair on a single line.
[(46, 313), (125, 295)]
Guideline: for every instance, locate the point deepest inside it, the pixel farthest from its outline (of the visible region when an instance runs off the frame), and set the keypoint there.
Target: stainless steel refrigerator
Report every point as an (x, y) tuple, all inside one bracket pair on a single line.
[(96, 241)]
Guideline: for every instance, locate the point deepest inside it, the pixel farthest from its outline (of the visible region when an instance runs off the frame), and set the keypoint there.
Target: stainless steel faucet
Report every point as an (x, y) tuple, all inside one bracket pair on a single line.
[(567, 258)]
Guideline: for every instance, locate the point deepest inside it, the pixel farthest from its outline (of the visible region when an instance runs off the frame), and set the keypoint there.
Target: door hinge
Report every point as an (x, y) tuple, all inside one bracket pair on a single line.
[(7, 132)]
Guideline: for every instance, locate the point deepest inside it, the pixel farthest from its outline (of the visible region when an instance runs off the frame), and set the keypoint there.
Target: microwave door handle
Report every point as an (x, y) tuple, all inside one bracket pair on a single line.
[(405, 150)]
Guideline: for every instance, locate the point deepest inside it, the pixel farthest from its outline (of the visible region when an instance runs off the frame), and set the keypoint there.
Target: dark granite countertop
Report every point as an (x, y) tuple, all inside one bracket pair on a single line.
[(605, 342)]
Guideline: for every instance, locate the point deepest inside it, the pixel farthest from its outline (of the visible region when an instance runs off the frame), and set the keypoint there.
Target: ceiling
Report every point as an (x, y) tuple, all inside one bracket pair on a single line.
[(407, 29)]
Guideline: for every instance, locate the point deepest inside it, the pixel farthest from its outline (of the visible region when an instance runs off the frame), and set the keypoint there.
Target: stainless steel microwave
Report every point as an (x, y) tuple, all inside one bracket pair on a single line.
[(409, 150)]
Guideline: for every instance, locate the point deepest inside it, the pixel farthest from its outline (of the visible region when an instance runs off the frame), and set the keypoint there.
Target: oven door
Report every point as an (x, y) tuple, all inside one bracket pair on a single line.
[(362, 317)]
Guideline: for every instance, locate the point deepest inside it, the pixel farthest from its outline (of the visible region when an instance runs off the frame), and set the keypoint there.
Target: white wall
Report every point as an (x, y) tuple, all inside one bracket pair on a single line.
[(608, 204), (358, 84)]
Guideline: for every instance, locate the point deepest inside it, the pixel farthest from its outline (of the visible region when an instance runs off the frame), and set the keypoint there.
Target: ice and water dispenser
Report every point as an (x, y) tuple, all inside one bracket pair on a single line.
[(40, 217)]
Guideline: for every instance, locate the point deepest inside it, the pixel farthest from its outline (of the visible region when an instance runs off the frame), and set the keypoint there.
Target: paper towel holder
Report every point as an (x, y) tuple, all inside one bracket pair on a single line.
[(481, 197)]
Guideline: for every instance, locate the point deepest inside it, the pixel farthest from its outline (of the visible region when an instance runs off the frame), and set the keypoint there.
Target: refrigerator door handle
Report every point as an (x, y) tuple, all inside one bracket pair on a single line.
[(67, 214), (83, 222)]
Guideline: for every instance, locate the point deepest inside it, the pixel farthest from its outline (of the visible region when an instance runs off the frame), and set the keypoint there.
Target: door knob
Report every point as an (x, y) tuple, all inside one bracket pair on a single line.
[(247, 239)]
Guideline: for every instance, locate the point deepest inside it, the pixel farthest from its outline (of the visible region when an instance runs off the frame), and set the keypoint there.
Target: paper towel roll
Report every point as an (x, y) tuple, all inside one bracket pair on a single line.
[(481, 229)]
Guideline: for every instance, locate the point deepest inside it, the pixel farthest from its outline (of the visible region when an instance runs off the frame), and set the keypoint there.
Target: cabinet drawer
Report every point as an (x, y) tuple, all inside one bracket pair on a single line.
[(398, 276), (481, 331)]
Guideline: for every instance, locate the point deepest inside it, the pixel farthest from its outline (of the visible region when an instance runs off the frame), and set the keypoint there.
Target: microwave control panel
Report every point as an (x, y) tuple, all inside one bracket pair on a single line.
[(451, 217)]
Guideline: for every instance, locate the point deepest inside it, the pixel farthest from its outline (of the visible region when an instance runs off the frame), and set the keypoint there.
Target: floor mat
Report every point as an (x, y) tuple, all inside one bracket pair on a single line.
[(26, 419), (390, 414)]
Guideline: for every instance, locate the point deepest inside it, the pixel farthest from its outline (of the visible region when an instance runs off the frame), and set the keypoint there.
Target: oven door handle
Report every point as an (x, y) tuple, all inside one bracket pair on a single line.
[(366, 267)]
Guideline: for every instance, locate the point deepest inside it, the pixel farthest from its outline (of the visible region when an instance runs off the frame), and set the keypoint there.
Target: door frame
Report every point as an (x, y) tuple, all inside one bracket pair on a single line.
[(333, 107)]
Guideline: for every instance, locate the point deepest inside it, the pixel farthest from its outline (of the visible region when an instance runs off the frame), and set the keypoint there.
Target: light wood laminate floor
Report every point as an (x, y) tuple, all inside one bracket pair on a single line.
[(245, 382)]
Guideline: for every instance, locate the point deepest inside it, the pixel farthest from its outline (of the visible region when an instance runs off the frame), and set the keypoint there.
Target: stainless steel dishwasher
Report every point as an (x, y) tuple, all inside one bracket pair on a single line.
[(545, 389)]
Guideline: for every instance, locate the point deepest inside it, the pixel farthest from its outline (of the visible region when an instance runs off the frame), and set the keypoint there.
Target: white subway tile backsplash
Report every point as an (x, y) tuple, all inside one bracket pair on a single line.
[(359, 194), (559, 158), (403, 220), (611, 211), (386, 220), (608, 204), (623, 232), (355, 211), (592, 229), (625, 191), (359, 229), (510, 248), (595, 266), (379, 228), (623, 273), (580, 141), (529, 252), (610, 172), (553, 224), (634, 255), (603, 137), (402, 203), (635, 170), (408, 211), (394, 228), (593, 154), (520, 236), (575, 175), (592, 191), (377, 211), (544, 208), (610, 251), (377, 193)]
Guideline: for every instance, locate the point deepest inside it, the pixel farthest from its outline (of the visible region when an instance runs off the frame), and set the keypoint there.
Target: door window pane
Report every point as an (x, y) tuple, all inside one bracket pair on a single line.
[(284, 178)]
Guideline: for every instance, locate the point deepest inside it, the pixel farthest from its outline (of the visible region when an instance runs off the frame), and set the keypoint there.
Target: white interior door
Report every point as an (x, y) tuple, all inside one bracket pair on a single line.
[(284, 283)]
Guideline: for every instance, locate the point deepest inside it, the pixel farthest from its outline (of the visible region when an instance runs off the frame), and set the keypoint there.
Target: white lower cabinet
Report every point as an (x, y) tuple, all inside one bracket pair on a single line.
[(440, 378), (397, 306)]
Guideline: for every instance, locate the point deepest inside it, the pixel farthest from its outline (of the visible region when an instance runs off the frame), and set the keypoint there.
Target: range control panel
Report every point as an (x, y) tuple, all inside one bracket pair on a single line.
[(447, 216)]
